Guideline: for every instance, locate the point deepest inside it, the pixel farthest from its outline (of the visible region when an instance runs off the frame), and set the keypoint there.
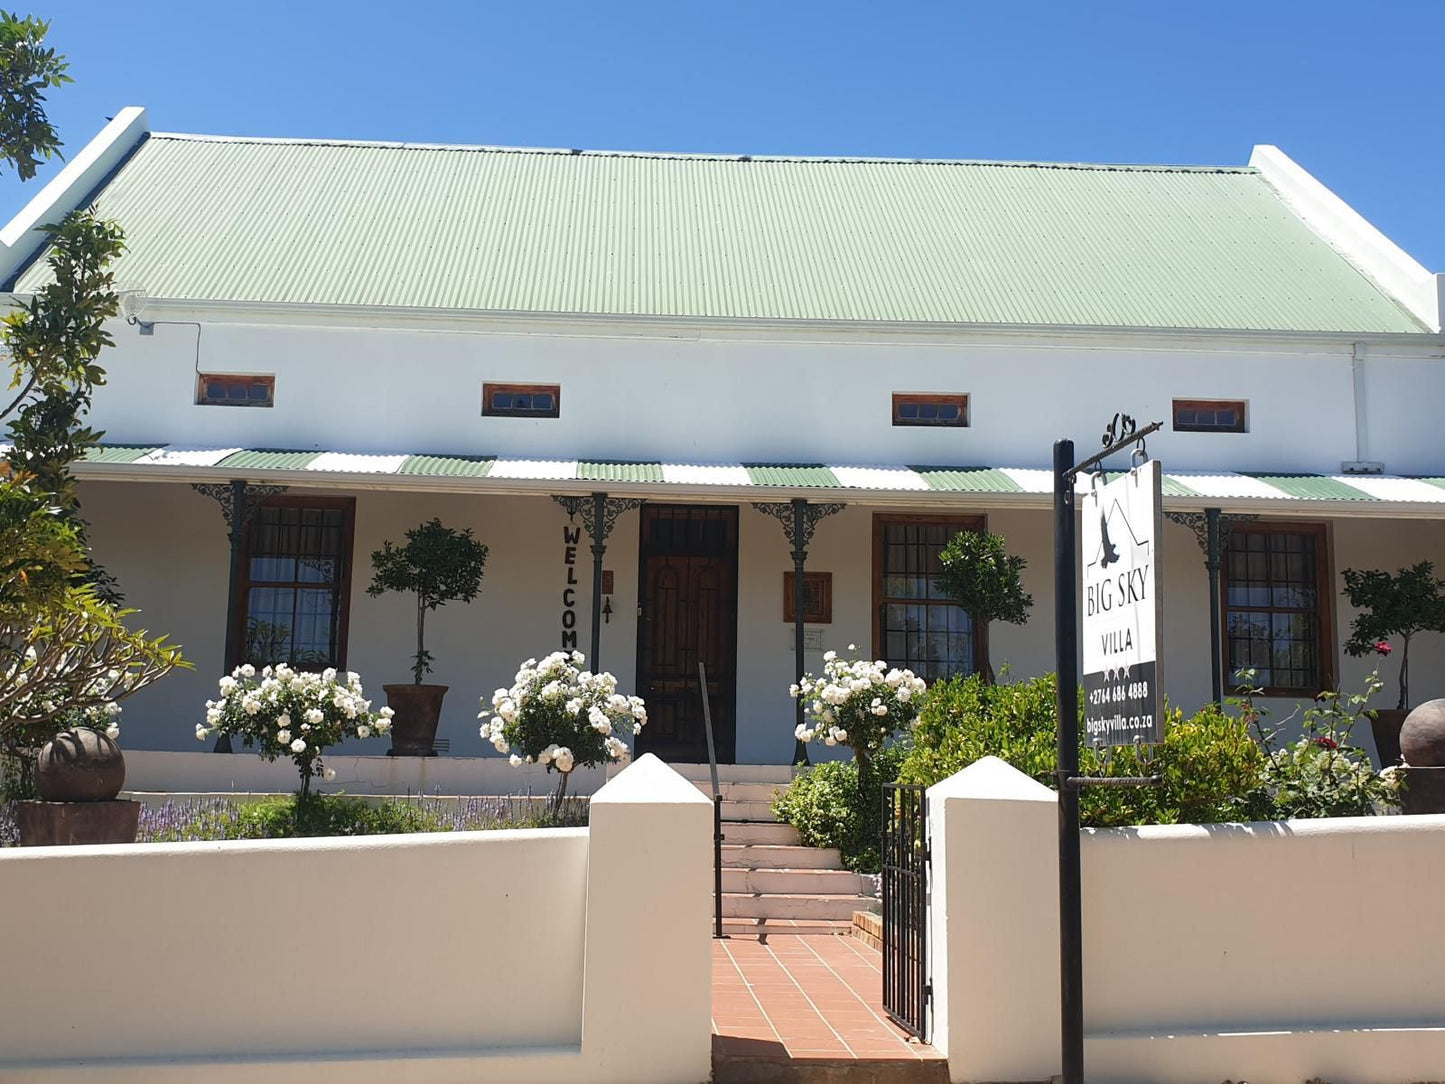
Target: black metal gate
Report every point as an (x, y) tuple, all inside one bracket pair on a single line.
[(906, 989)]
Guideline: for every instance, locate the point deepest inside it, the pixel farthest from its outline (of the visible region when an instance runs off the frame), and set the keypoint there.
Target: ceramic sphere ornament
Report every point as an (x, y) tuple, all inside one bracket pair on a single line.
[(80, 765), (1422, 736)]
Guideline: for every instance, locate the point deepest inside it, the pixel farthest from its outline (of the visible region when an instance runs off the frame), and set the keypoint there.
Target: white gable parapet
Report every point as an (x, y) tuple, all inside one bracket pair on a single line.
[(22, 237), (1393, 269)]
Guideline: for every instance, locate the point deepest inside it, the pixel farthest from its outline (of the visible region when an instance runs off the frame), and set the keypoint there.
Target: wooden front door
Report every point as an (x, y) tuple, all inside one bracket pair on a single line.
[(689, 612)]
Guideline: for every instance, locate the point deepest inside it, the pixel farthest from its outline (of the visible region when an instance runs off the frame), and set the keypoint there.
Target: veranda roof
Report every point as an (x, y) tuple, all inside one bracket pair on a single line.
[(1364, 495)]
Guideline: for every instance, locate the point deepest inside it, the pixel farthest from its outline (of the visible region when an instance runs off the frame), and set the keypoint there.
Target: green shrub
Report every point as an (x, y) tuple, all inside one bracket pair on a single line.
[(832, 806), (328, 815), (1212, 767)]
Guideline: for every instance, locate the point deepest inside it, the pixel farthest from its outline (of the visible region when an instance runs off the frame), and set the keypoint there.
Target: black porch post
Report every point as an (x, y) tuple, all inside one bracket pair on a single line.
[(236, 529), (800, 558), (1216, 640), (599, 547)]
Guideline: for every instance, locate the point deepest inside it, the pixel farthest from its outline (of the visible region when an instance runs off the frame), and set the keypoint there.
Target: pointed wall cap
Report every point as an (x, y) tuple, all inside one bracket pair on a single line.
[(648, 779), (994, 779)]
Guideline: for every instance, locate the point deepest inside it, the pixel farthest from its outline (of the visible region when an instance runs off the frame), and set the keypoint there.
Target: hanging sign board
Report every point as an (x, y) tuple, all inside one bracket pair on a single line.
[(1121, 529)]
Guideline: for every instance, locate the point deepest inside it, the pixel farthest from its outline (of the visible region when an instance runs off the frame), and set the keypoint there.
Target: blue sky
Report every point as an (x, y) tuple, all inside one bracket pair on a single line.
[(1350, 90)]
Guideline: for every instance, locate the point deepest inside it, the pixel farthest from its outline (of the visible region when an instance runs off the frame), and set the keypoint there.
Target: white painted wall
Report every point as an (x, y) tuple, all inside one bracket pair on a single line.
[(486, 956), (167, 546), (1210, 952), (636, 391)]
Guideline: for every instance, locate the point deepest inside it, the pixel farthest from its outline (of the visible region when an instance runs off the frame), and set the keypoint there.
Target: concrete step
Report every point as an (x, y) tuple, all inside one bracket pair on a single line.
[(762, 927), (756, 812), (794, 905), (771, 856), (732, 773), (743, 792), (812, 882), (782, 835)]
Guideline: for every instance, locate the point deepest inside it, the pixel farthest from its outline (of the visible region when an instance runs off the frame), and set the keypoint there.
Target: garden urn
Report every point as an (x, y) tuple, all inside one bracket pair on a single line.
[(1422, 744)]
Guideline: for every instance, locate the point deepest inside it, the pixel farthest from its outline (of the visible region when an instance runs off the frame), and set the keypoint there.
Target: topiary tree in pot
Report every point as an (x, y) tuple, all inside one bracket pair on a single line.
[(985, 579), (1393, 604), (438, 565)]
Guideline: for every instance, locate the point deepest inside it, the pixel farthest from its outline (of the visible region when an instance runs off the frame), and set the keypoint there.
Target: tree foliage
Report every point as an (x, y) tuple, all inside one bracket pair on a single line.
[(66, 653), (1399, 604), (981, 576), (27, 70), (438, 565)]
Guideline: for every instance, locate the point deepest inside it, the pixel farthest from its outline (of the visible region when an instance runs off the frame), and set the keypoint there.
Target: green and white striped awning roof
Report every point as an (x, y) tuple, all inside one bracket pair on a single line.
[(1372, 495)]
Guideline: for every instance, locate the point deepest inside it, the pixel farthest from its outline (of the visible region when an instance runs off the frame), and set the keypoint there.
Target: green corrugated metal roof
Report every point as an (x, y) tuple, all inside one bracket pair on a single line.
[(117, 453), (968, 480), (458, 466), (1312, 487), (1435, 481), (267, 459), (611, 471), (799, 475), (699, 236)]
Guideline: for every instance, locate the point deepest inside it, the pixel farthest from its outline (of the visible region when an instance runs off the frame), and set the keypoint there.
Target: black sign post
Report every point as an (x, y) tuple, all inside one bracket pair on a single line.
[(1121, 434)]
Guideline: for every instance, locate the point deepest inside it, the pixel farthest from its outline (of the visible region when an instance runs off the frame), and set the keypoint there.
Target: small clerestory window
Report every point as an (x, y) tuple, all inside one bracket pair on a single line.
[(235, 389), (934, 410), (521, 400)]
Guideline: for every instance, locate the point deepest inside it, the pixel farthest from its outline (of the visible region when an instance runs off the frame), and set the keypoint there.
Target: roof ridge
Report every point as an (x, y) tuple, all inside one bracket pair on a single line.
[(380, 144)]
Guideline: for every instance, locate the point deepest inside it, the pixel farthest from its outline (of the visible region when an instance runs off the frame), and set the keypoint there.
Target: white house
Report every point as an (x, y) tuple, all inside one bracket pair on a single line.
[(395, 331)]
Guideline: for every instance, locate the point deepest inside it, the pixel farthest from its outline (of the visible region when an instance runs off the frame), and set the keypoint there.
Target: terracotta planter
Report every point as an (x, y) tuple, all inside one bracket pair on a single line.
[(414, 726), (60, 824), (1386, 727)]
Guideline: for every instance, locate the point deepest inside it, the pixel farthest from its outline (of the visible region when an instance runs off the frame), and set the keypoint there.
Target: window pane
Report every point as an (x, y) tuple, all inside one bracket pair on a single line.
[(297, 568), (1272, 598), (258, 392), (541, 401), (921, 630)]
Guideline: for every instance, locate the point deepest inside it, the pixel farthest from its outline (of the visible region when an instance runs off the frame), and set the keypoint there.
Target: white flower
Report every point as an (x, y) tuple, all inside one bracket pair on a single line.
[(829, 656), (328, 675), (793, 691), (112, 732), (112, 709), (904, 695), (283, 737), (363, 731), (314, 716), (283, 720), (329, 774), (386, 713), (515, 761), (201, 732), (251, 705), (563, 760), (248, 671), (574, 706), (298, 746)]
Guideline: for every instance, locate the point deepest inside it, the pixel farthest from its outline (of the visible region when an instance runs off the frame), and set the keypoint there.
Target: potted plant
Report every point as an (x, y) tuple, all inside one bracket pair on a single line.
[(983, 578), (438, 565), (1390, 605)]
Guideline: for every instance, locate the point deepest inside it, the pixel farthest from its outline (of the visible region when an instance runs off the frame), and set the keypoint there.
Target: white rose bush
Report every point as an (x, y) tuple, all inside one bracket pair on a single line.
[(281, 712), (562, 716), (859, 703)]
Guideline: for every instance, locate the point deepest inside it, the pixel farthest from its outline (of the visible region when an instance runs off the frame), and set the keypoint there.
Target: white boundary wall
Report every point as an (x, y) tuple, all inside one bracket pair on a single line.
[(503, 956), (1211, 952)]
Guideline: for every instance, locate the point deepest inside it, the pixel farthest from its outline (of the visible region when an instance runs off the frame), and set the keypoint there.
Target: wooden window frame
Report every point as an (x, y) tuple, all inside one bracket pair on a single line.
[(1324, 608), (961, 522), (231, 380), (959, 399), (1240, 426), (824, 614), (347, 505), (491, 388)]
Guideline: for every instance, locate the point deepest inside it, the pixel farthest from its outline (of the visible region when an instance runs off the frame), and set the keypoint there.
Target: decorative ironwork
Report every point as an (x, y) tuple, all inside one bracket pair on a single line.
[(585, 507), (813, 514), (222, 493), (1121, 428), (906, 859), (1198, 522)]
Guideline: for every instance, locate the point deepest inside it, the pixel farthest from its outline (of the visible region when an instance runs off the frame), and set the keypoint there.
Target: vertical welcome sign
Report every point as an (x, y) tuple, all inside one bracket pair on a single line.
[(1121, 528)]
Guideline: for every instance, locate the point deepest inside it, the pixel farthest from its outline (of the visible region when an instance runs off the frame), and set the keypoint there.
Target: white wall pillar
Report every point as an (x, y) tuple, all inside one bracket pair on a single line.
[(647, 978), (994, 923)]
